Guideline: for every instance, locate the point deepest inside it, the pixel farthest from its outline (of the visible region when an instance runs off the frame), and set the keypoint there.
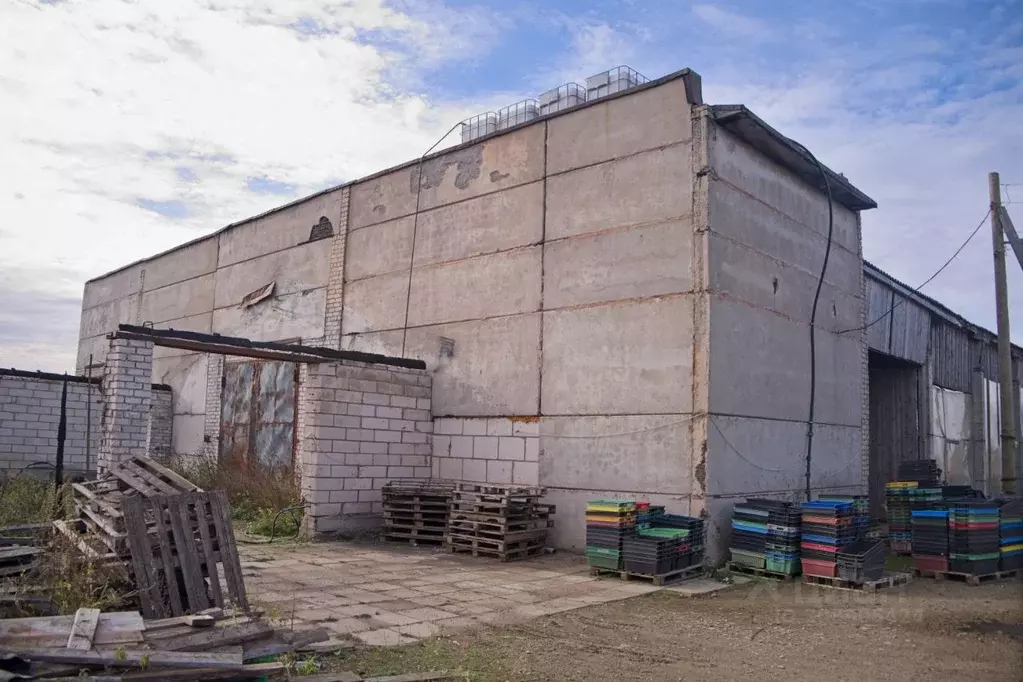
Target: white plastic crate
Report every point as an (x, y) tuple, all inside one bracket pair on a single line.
[(568, 95), (478, 126), (517, 113)]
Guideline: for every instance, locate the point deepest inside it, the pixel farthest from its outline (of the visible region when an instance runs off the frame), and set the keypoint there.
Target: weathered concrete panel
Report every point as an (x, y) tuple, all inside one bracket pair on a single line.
[(97, 347), (634, 263), (770, 455), (186, 437), (488, 368), (280, 230), (104, 318), (569, 533), (760, 367), (745, 168), (742, 218), (112, 287), (631, 358), (296, 269), (645, 120), (184, 299), (186, 375), (495, 164), (183, 263), (375, 303), (379, 249), (500, 284), (652, 187), (295, 316), (652, 453), (740, 273), (383, 343), (490, 223)]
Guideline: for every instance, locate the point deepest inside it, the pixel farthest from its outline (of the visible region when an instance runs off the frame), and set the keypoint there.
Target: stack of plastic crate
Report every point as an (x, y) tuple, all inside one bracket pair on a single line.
[(748, 546), (930, 538), (692, 524), (781, 546), (647, 514), (923, 471), (1010, 535), (973, 537), (827, 527), (608, 523), (862, 561), (861, 510), (898, 502), (656, 551)]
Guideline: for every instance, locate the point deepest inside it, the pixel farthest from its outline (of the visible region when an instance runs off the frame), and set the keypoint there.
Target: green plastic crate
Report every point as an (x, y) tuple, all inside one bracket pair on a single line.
[(600, 557), (748, 559), (664, 532), (786, 566)]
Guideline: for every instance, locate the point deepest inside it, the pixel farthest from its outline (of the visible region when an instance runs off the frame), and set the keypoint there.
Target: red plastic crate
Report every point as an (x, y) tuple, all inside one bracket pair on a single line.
[(930, 563), (826, 569)]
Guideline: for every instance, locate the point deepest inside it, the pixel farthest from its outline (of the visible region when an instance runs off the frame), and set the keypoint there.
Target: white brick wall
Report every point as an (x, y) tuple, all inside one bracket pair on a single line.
[(211, 426), (127, 397), (161, 423), (336, 278), (488, 450), (359, 426), (29, 417)]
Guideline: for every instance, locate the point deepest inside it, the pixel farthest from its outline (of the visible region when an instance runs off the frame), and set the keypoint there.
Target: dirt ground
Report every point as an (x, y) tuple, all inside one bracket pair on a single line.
[(763, 631)]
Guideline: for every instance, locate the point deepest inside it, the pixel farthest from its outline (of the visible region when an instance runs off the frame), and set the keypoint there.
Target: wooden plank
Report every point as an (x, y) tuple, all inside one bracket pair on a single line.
[(134, 482), (163, 535), (222, 634), (418, 677), (130, 658), (150, 478), (83, 630), (292, 641), (11, 553), (228, 552), (146, 576), (96, 499), (203, 515), (188, 558), (118, 627), (198, 620), (182, 483), (250, 671)]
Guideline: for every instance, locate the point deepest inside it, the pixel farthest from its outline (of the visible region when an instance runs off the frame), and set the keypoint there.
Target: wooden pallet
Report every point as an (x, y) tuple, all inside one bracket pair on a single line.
[(886, 581), (759, 572), (183, 539), (503, 555), (968, 578), (660, 579), (17, 559)]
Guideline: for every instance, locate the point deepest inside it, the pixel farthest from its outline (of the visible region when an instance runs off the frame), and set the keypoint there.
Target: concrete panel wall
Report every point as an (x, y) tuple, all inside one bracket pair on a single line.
[(298, 315), (379, 249), (299, 268), (193, 260), (184, 299), (626, 358)]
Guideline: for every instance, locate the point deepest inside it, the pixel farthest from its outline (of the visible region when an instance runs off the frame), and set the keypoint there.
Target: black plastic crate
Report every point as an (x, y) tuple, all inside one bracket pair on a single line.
[(982, 567)]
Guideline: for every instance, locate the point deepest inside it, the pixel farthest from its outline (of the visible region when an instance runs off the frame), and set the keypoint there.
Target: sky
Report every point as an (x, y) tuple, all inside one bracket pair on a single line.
[(130, 126)]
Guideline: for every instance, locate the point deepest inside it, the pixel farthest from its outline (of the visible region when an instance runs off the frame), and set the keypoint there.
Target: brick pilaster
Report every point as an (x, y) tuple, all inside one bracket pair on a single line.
[(127, 401), (211, 427), (336, 278)]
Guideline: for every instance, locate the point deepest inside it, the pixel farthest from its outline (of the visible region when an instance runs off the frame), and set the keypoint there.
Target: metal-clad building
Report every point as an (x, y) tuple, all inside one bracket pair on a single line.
[(933, 388)]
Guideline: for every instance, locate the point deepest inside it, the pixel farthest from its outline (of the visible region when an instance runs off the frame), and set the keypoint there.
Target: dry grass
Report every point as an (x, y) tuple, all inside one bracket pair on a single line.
[(257, 492)]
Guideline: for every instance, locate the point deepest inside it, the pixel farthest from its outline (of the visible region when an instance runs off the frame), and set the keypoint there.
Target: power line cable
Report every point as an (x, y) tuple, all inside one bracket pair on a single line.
[(927, 281)]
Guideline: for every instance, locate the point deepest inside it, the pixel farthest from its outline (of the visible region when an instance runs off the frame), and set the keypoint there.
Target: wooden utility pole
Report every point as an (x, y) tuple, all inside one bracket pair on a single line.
[(1008, 401)]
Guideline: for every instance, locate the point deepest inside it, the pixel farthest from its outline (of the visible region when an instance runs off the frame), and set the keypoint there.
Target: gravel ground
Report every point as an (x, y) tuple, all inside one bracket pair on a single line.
[(761, 631)]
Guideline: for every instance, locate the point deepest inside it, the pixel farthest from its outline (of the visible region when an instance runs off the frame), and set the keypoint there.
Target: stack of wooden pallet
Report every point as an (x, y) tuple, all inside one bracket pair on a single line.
[(99, 530), (416, 511), (506, 522), (213, 644)]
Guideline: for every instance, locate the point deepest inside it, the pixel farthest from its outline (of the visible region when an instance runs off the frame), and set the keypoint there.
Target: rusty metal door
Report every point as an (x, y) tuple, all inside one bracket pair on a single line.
[(257, 414)]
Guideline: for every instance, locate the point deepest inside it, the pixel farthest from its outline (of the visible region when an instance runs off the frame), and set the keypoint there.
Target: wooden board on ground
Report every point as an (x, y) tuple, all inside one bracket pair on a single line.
[(112, 629), (968, 578), (884, 582), (759, 572), (193, 536), (660, 579)]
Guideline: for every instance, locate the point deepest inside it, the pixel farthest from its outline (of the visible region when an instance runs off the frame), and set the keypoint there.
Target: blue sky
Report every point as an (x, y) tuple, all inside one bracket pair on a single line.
[(129, 127)]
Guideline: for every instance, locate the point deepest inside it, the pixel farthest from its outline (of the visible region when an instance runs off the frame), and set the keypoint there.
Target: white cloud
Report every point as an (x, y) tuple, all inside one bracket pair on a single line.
[(733, 23), (106, 103)]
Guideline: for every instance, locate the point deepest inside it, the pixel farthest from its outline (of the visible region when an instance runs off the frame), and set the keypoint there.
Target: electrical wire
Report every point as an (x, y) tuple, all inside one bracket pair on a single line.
[(927, 281), (415, 228), (813, 314)]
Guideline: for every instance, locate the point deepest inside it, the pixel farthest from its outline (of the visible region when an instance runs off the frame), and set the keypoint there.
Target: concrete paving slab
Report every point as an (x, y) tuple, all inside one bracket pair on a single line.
[(697, 586)]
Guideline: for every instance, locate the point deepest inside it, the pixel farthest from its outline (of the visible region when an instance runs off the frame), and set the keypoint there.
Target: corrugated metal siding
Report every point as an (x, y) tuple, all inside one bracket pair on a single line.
[(910, 332), (952, 356), (879, 302)]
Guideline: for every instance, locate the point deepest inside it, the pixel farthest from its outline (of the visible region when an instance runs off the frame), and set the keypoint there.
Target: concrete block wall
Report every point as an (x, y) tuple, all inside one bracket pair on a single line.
[(29, 418), (127, 397), (494, 450), (359, 426)]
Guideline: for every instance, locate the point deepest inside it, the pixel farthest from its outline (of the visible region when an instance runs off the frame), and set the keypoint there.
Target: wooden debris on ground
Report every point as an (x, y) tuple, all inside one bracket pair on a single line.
[(20, 547), (213, 644), (502, 521)]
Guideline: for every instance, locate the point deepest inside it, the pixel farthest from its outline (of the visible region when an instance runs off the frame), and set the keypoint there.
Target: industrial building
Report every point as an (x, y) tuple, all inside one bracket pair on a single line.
[(611, 289)]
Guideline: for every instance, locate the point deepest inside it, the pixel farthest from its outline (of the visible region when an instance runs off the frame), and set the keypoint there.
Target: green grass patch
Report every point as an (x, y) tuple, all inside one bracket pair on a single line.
[(29, 499), (898, 564)]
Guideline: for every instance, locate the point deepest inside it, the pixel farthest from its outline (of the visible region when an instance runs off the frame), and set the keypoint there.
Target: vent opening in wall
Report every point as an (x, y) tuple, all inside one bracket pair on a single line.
[(321, 230)]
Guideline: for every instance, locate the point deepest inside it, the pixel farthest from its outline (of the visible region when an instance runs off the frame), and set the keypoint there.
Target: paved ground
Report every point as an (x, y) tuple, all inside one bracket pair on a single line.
[(395, 594)]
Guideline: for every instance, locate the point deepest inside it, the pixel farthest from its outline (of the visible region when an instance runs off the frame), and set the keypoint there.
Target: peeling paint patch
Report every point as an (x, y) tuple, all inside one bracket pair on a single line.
[(467, 163), (701, 468), (260, 294), (497, 176)]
